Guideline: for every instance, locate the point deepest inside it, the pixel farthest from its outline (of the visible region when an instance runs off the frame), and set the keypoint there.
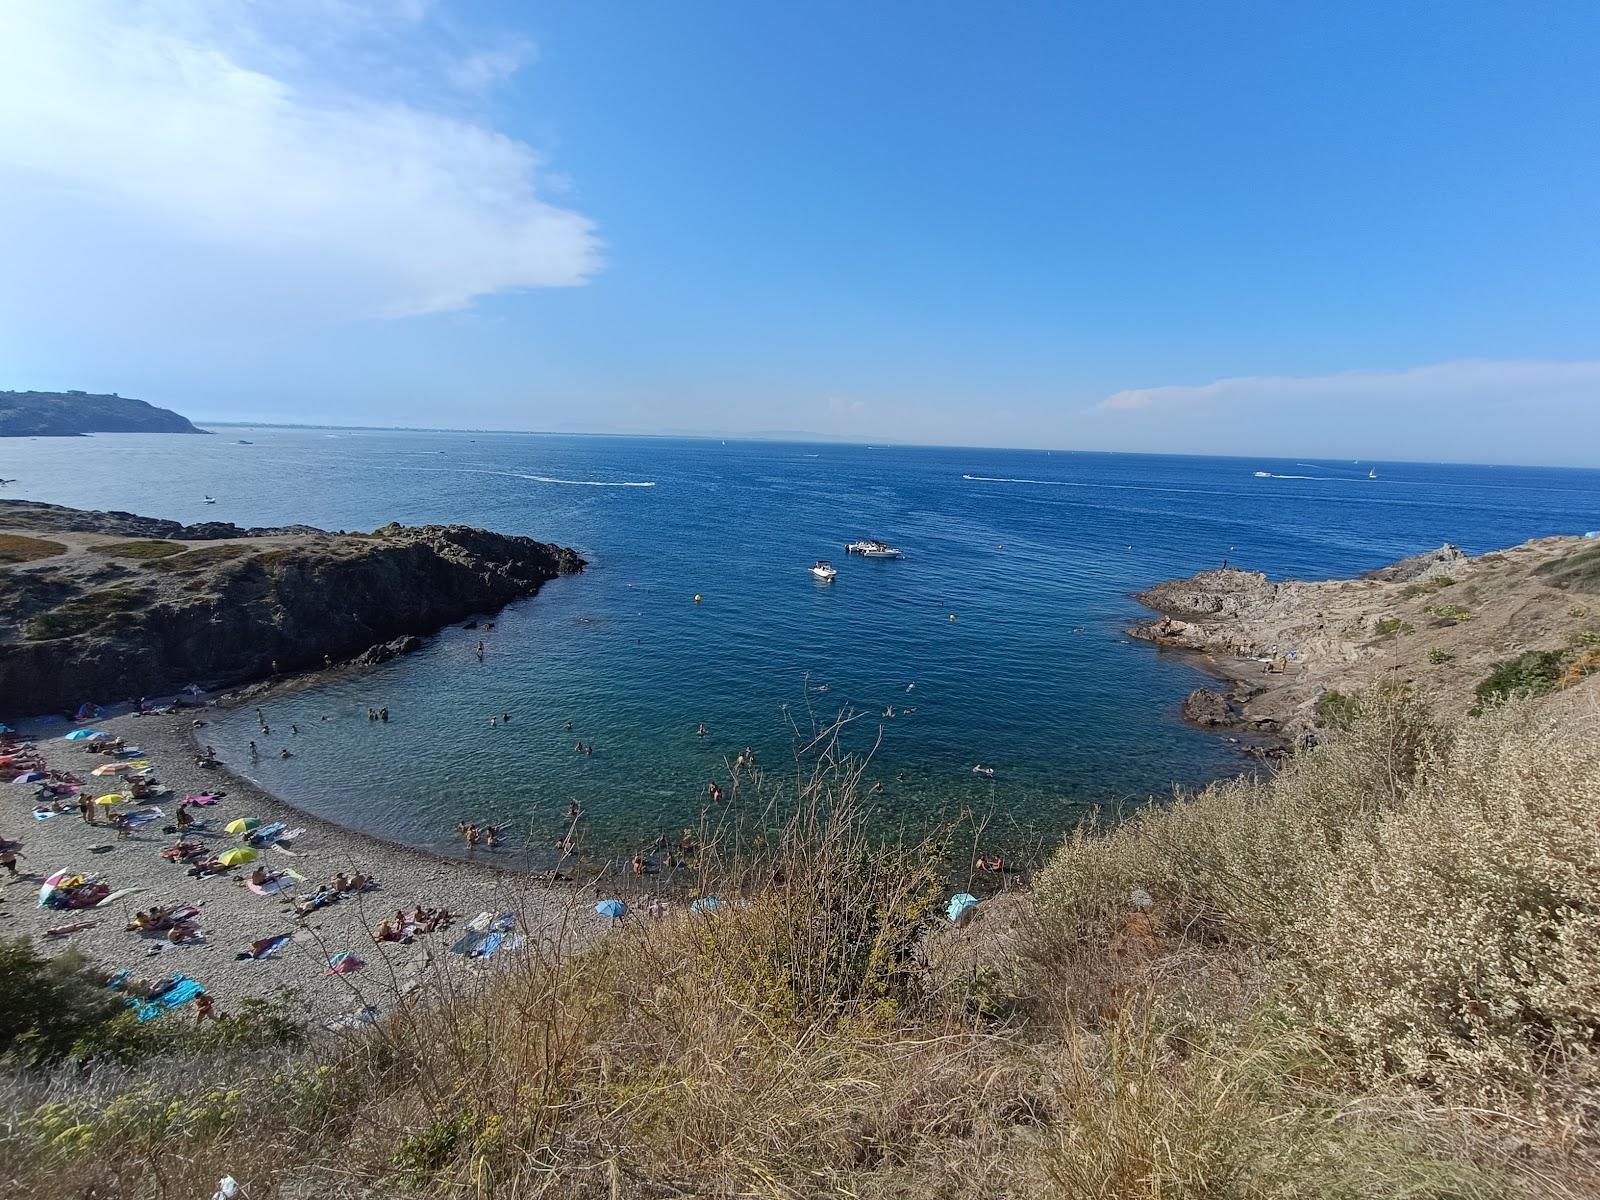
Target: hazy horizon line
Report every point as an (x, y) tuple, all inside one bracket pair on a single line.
[(805, 437)]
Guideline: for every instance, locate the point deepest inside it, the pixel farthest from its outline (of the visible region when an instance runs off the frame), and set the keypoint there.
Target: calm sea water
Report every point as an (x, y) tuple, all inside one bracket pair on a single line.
[(1033, 554)]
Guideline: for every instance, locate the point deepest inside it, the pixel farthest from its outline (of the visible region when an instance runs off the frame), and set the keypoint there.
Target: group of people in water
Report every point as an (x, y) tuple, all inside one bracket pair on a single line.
[(472, 833)]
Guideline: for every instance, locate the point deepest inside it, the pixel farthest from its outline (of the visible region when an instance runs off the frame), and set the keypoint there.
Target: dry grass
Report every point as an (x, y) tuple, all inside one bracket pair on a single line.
[(15, 548), (1362, 977), (143, 549)]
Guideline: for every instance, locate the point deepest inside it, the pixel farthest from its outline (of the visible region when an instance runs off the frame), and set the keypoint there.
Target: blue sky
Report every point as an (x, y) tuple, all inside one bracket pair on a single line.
[(1368, 230)]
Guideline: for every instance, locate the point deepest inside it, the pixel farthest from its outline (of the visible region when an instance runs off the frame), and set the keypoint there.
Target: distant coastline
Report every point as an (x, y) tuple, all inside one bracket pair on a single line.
[(73, 414)]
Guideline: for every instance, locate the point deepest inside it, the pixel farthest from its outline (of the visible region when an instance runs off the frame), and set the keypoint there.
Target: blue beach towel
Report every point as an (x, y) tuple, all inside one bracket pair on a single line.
[(182, 991)]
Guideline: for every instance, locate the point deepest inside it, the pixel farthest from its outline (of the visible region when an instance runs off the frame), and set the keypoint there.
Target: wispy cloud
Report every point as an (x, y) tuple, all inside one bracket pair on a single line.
[(1469, 379), (190, 163)]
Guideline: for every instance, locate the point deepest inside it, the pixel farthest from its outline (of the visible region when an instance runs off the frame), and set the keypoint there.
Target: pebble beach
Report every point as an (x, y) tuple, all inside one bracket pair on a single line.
[(232, 917)]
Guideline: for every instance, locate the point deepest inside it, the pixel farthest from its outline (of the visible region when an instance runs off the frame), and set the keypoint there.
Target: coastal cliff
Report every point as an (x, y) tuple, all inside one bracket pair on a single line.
[(1459, 629), (71, 414), (109, 606)]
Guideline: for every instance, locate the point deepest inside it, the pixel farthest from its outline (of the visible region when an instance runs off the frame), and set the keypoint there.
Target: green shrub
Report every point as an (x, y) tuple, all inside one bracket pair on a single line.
[(1389, 626), (1437, 656), (48, 1004), (1532, 673), (146, 548), (199, 558), (1453, 613), (1337, 710)]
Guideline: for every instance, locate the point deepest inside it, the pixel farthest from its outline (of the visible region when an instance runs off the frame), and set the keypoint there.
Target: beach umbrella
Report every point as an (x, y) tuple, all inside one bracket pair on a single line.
[(50, 886), (78, 735), (4, 728), (29, 777), (962, 908), (344, 962), (704, 904), (112, 769), (239, 854), (243, 824), (615, 909), (110, 798)]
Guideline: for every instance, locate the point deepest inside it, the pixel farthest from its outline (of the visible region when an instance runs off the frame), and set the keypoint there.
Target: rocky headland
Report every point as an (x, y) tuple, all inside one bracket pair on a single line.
[(1455, 628), (109, 606), (72, 414)]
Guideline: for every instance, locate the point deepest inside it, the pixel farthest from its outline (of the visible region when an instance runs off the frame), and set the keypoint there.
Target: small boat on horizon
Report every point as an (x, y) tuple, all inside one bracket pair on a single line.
[(824, 570), (1372, 474), (1263, 474), (209, 500), (872, 548)]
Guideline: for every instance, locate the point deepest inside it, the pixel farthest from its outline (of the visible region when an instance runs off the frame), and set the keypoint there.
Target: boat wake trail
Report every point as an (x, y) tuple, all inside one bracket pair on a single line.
[(627, 483), (1036, 482), (583, 482)]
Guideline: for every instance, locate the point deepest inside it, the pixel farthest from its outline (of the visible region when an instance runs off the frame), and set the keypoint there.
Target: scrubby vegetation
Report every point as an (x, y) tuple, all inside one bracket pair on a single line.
[(97, 612), (142, 549), (1390, 626), (1438, 657), (1336, 710), (199, 558), (18, 548), (1426, 587), (1371, 974), (1577, 572), (1453, 614)]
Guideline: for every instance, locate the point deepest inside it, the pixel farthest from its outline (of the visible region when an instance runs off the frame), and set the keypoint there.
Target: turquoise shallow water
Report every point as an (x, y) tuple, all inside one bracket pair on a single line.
[(1035, 554)]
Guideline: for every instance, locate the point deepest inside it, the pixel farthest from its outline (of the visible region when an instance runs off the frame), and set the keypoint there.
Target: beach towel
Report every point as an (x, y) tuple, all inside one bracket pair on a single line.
[(476, 930), (344, 963), (43, 815), (265, 947), (143, 818), (355, 1020), (182, 991), (273, 886), (493, 937), (200, 801), (279, 847)]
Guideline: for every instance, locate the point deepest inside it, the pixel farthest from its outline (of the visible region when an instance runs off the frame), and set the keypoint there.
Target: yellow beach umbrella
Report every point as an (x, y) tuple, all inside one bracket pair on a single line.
[(243, 825), (112, 798), (239, 854)]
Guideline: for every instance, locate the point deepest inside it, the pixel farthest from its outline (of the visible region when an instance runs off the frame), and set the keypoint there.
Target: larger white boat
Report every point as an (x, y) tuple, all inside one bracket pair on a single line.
[(824, 571), (873, 549)]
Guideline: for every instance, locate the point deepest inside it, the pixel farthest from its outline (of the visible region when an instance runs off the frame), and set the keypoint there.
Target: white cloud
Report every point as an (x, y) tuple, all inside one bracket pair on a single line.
[(1470, 379), (175, 162)]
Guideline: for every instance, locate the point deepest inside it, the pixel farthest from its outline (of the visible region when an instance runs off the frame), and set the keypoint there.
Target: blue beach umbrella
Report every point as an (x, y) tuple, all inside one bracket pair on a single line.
[(704, 904), (78, 735), (962, 908), (30, 777), (615, 909)]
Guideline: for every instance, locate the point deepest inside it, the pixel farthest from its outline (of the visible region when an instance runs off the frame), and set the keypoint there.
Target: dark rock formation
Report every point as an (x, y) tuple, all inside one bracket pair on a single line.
[(383, 652), (1209, 708), (1431, 562), (107, 620), (69, 414)]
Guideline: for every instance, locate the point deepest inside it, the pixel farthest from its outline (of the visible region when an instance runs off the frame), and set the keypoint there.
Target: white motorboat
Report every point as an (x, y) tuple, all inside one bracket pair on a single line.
[(824, 570), (871, 548), (1263, 474), (209, 500)]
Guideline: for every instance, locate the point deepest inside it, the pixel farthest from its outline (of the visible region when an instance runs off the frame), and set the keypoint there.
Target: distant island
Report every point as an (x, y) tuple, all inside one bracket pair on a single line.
[(70, 414)]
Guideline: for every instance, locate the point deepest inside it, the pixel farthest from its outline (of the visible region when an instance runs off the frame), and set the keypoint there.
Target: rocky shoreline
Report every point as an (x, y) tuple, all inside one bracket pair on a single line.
[(105, 607), (1443, 618)]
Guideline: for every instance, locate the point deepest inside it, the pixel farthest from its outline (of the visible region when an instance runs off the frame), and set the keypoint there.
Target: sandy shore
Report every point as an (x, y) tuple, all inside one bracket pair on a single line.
[(231, 916)]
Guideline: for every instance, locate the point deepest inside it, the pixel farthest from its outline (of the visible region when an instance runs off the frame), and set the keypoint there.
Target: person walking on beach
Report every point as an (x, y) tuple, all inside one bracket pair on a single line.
[(86, 807)]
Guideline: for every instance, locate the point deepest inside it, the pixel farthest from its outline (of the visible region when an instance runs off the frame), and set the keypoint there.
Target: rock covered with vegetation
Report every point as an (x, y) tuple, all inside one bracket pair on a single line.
[(69, 414), (109, 606), (1458, 630)]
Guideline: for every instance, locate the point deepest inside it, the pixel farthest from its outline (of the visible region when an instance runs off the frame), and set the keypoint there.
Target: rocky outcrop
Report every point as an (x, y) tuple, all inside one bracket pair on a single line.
[(30, 516), (1215, 595), (1420, 566), (1210, 708), (112, 619), (68, 414)]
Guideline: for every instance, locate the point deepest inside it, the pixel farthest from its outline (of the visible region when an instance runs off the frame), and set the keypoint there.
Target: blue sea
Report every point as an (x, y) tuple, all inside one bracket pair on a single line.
[(997, 639)]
